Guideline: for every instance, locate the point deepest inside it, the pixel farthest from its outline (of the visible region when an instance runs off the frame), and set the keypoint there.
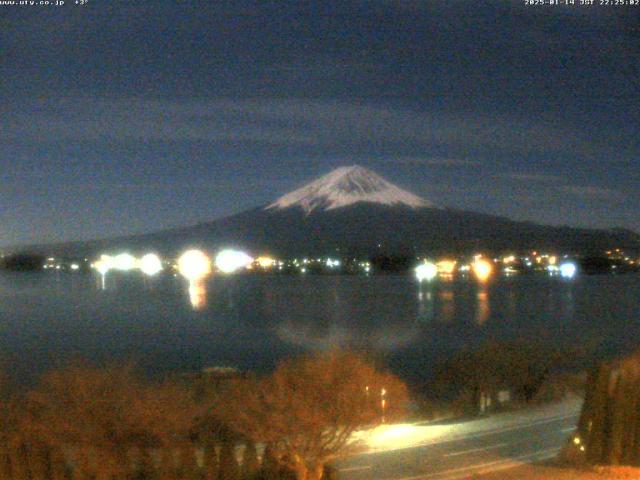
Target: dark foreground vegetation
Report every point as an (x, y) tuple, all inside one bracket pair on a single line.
[(111, 423), (609, 427), (501, 375), (88, 423)]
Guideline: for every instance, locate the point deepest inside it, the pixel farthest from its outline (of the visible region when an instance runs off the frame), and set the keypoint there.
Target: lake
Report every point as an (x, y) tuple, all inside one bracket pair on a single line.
[(252, 321)]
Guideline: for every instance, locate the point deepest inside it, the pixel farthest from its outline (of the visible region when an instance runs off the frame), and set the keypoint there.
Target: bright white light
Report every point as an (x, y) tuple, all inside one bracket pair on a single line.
[(124, 262), (228, 261), (482, 269), (150, 264), (75, 266), (194, 265), (426, 271), (331, 263), (568, 270), (104, 264)]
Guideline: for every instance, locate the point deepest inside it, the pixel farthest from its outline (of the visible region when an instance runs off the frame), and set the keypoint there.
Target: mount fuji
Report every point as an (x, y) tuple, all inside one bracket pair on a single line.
[(347, 186), (354, 211)]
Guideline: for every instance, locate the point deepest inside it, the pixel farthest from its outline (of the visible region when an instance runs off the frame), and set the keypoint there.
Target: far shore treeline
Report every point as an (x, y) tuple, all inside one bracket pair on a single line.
[(27, 262), (588, 264)]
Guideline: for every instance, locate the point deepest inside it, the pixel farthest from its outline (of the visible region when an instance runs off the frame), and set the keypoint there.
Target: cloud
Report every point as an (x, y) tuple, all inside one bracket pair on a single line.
[(436, 161), (335, 125), (593, 192), (530, 177)]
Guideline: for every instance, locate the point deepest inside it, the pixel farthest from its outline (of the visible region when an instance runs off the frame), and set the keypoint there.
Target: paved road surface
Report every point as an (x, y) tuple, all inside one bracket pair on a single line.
[(458, 450)]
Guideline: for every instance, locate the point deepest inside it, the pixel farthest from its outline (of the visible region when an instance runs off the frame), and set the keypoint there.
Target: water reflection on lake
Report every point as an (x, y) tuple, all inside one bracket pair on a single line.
[(252, 321)]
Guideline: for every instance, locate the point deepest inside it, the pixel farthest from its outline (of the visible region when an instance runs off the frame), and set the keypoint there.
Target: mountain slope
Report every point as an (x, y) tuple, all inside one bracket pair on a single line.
[(354, 211)]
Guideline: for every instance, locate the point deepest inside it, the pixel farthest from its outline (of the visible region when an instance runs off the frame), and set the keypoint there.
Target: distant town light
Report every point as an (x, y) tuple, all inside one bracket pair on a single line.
[(426, 271), (150, 264), (194, 265), (446, 267), (482, 269), (228, 261), (331, 263), (104, 264), (75, 266), (265, 262), (124, 262), (568, 270)]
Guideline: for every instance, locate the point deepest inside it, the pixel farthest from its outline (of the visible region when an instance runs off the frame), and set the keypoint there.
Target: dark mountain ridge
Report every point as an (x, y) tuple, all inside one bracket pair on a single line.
[(353, 211)]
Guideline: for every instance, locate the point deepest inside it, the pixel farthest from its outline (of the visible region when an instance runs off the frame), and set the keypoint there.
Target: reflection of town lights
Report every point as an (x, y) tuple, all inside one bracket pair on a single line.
[(197, 295), (446, 267), (150, 264), (265, 262), (482, 269), (228, 261), (194, 265), (426, 271), (568, 270), (124, 262)]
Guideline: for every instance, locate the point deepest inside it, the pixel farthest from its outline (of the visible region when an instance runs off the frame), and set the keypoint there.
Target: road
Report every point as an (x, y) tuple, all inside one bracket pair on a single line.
[(458, 450)]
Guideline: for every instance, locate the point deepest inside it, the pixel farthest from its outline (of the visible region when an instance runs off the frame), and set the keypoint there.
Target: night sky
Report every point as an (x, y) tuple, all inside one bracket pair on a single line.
[(126, 117)]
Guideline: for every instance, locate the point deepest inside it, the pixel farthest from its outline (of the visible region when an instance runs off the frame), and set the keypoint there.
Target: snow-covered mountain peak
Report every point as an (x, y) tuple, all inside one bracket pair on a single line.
[(346, 186)]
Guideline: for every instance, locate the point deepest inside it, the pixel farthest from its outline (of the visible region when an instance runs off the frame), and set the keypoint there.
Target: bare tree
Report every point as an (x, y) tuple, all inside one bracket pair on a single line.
[(102, 414), (250, 463), (310, 407)]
